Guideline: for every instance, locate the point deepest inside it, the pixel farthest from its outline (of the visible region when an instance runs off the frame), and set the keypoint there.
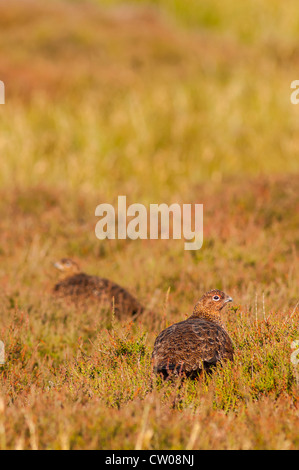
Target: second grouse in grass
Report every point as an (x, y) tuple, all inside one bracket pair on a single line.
[(196, 344), (79, 287)]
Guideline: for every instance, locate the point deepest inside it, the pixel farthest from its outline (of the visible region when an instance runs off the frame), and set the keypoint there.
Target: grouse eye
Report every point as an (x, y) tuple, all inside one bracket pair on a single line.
[(216, 297)]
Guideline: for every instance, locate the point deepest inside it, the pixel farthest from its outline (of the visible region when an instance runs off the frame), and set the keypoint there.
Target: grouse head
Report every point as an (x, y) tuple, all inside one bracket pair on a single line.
[(67, 266)]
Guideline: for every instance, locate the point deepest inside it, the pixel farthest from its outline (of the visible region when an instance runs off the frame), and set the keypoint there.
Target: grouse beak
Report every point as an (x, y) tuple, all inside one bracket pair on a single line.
[(228, 299)]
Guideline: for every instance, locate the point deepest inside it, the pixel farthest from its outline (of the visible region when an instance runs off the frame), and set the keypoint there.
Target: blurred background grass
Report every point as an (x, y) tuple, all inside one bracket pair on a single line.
[(146, 98)]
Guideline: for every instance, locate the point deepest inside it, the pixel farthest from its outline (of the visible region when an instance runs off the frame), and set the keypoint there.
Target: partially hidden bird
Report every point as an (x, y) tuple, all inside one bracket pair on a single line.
[(196, 344), (79, 287)]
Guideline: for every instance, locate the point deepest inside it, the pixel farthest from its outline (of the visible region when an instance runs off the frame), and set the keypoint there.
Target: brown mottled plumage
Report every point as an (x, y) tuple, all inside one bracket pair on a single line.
[(79, 287), (198, 343)]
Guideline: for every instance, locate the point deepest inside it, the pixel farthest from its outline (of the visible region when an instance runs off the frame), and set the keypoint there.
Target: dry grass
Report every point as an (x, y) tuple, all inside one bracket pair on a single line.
[(139, 94), (102, 102)]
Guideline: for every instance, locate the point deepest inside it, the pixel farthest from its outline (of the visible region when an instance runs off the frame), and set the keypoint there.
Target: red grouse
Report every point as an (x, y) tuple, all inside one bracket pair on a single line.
[(196, 344), (78, 286)]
